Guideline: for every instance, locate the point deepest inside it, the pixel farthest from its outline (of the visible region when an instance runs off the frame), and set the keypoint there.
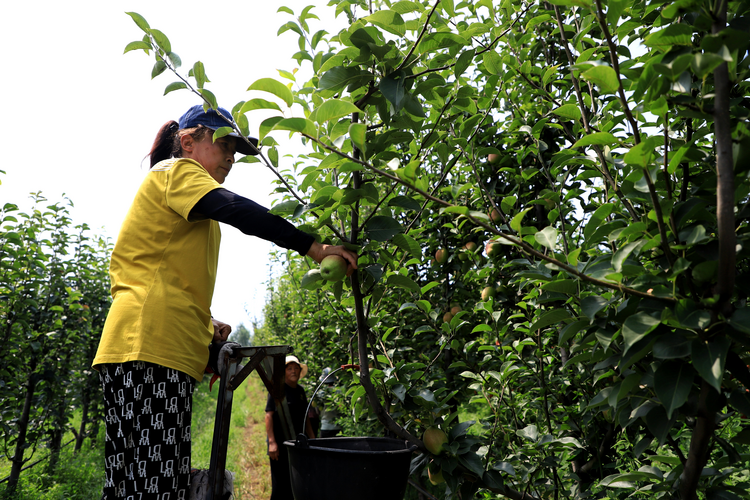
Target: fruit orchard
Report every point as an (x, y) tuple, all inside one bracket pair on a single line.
[(54, 297), (596, 156)]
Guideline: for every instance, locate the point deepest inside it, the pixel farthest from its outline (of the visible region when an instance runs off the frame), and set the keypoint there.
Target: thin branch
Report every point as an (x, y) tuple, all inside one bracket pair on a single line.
[(616, 66), (419, 38), (525, 247), (489, 47), (584, 117)]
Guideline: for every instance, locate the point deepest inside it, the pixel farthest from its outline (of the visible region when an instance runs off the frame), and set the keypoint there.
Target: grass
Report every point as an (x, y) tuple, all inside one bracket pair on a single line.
[(80, 475)]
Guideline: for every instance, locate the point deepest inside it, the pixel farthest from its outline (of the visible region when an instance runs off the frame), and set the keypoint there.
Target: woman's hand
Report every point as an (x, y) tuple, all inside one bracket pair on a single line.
[(319, 251), (273, 450), (221, 330)]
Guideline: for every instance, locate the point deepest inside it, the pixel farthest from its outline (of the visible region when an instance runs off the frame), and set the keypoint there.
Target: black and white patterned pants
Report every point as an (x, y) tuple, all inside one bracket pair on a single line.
[(147, 409)]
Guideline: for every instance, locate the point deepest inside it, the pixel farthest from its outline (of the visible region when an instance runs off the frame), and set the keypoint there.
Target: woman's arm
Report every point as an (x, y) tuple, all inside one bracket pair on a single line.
[(252, 219), (273, 448)]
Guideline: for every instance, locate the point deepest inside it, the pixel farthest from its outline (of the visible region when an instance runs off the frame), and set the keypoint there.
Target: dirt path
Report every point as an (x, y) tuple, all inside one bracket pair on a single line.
[(255, 476)]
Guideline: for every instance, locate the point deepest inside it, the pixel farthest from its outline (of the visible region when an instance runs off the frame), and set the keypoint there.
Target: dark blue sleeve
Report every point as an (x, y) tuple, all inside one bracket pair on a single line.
[(252, 219)]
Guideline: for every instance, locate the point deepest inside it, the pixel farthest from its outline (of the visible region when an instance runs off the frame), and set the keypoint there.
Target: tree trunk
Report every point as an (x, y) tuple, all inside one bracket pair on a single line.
[(55, 442), (84, 416), (23, 427), (699, 444), (724, 177)]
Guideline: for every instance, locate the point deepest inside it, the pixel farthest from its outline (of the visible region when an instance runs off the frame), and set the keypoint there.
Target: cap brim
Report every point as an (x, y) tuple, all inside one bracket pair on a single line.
[(245, 148)]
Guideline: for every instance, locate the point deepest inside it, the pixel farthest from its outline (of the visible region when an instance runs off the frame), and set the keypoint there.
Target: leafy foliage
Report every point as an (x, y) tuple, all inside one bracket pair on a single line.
[(54, 286), (598, 154)]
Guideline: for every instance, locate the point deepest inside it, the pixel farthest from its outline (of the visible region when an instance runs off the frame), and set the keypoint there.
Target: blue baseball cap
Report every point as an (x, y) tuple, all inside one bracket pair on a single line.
[(196, 116)]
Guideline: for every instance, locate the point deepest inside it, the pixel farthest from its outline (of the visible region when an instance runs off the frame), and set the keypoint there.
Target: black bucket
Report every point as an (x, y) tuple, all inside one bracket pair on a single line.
[(342, 468)]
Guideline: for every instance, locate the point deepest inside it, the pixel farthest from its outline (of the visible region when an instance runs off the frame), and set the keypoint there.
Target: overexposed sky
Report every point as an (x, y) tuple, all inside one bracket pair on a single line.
[(79, 116)]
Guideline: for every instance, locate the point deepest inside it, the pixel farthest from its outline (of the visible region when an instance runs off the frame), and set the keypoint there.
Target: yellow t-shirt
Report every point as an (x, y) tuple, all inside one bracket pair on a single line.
[(163, 271)]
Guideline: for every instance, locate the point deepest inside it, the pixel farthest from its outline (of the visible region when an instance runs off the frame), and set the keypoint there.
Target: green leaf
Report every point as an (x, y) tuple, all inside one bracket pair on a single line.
[(358, 135), (550, 318), (274, 87), (199, 73), (408, 244), (463, 61), (482, 328), (671, 346), (140, 21), (285, 207), (740, 320), (473, 462), (506, 467), (637, 327), (603, 77), (301, 125), (673, 381), (592, 304), (393, 88), (174, 86), (333, 109), (339, 77), (547, 237), (641, 153), (529, 432), (312, 280), (493, 62), (382, 228), (136, 46), (267, 125), (569, 287), (705, 63), (404, 202), (448, 7), (515, 223), (598, 138), (161, 40), (403, 282), (389, 20), (620, 481), (221, 132), (709, 359), (158, 68), (254, 104), (568, 111), (176, 61), (623, 253), (210, 97), (674, 34)]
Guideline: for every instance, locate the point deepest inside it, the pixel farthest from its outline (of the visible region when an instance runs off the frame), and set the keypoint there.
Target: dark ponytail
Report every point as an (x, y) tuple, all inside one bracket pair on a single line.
[(167, 143), (163, 147)]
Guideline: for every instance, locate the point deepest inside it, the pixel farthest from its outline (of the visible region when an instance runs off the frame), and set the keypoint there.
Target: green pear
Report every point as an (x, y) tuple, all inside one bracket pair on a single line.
[(433, 439), (333, 268), (441, 255), (489, 291)]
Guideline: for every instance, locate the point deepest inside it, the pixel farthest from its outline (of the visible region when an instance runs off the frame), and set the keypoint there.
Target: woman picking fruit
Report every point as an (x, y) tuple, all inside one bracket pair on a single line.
[(154, 346)]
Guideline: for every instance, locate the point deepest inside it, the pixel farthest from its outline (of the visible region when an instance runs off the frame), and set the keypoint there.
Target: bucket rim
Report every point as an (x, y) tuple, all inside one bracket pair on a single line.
[(406, 447)]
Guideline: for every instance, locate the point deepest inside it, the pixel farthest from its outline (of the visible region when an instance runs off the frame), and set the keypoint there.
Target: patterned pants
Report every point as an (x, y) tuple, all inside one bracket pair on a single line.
[(147, 409)]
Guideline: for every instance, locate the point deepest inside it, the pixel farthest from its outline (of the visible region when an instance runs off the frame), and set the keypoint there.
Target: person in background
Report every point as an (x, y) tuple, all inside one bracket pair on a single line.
[(281, 487), (154, 346)]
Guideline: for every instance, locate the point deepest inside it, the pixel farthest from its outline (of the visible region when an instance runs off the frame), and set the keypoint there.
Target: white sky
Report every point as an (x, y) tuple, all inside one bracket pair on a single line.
[(79, 116)]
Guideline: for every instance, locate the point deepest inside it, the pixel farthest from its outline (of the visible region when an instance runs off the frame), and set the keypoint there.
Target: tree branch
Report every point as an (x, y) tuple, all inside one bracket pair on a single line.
[(584, 118), (511, 239)]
